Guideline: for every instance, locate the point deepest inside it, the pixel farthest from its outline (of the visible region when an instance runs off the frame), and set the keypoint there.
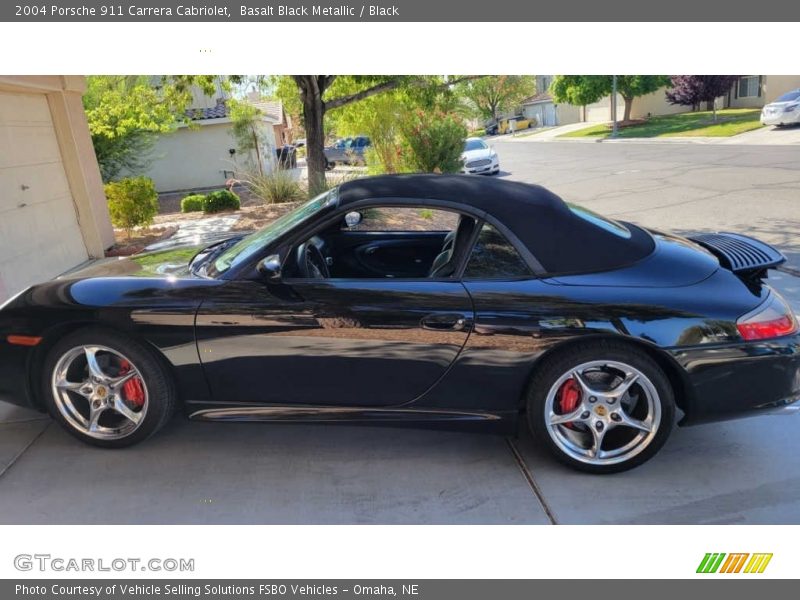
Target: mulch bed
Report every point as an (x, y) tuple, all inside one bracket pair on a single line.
[(139, 240)]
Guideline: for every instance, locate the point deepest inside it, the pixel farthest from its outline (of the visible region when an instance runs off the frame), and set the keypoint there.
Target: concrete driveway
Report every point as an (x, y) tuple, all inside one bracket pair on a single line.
[(767, 136), (736, 472)]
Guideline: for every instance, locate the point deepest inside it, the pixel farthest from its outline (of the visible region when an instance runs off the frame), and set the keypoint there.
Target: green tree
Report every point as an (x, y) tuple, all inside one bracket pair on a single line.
[(493, 94), (581, 90), (434, 142), (248, 131), (319, 94), (126, 112)]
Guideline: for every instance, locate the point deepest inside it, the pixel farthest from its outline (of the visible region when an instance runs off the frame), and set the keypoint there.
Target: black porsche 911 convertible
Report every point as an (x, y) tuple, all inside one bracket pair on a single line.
[(418, 300)]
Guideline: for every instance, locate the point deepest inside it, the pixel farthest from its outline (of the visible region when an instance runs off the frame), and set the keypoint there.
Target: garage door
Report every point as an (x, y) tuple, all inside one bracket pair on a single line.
[(39, 233)]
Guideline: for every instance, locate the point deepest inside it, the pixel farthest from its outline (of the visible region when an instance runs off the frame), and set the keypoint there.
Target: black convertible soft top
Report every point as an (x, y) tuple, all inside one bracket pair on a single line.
[(561, 241)]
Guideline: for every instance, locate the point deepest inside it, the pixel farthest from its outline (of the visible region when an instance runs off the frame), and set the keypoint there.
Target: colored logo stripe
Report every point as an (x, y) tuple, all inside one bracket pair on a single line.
[(710, 562), (758, 563), (713, 562), (734, 563)]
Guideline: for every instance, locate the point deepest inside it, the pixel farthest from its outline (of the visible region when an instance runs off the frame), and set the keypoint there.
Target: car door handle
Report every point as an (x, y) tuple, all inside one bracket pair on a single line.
[(444, 322)]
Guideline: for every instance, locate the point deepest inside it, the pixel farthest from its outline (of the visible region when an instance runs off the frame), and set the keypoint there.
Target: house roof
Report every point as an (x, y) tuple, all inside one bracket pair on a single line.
[(220, 111), (538, 98), (272, 109), (561, 240)]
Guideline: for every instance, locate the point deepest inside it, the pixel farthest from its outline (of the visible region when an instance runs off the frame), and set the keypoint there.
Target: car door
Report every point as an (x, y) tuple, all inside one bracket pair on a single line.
[(331, 342)]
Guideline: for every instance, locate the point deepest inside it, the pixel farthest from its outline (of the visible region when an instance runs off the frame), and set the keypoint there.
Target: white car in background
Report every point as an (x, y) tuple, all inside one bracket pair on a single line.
[(479, 158), (784, 110)]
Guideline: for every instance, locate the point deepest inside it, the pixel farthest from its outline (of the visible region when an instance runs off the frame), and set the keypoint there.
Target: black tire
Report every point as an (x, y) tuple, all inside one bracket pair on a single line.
[(161, 396), (561, 362)]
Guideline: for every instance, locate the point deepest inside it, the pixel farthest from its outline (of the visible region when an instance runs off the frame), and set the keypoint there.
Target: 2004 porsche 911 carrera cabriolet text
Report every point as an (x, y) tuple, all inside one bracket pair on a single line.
[(598, 334)]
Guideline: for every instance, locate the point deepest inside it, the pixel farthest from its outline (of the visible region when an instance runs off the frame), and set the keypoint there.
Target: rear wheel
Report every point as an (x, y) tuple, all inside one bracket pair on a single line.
[(601, 408), (106, 389)]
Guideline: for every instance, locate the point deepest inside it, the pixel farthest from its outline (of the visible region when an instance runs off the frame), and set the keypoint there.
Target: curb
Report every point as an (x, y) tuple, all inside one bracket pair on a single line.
[(789, 270)]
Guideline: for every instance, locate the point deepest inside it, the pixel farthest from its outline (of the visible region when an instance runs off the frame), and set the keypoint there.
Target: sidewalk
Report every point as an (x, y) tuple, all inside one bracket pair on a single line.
[(766, 136), (546, 134)]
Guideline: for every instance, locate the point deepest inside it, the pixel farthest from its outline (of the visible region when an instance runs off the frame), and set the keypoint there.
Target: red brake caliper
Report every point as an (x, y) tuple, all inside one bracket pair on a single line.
[(132, 390), (569, 394)]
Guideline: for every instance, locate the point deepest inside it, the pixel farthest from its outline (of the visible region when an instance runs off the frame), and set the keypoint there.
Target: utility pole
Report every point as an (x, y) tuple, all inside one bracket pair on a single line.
[(614, 105)]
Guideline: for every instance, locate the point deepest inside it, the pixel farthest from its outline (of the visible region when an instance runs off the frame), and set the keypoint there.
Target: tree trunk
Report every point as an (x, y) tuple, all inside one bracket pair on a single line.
[(258, 150), (314, 118), (628, 108)]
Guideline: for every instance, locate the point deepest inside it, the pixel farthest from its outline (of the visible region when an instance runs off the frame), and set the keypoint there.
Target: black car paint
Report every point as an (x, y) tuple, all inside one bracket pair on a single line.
[(418, 351)]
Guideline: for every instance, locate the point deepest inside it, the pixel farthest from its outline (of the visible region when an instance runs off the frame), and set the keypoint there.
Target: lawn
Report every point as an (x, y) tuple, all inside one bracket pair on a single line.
[(731, 121)]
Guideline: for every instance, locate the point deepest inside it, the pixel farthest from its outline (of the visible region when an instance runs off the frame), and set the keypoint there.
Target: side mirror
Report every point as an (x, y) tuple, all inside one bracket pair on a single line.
[(270, 268), (353, 218)]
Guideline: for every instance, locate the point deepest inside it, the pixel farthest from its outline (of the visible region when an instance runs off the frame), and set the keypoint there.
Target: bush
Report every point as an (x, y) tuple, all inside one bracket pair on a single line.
[(477, 133), (221, 200), (434, 142), (193, 203), (277, 187), (132, 202)]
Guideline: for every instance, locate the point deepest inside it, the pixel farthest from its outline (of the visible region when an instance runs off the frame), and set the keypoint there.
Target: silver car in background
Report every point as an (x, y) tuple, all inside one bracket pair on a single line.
[(479, 158), (347, 151), (784, 110)]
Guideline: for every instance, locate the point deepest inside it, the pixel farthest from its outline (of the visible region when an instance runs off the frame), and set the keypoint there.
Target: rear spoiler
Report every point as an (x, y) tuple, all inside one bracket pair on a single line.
[(741, 254)]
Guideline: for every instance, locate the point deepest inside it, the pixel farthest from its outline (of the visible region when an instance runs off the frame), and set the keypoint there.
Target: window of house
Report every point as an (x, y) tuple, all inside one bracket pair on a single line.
[(494, 257), (748, 86)]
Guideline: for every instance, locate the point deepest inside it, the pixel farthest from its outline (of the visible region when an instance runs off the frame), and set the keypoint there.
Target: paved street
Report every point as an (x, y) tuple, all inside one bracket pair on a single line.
[(678, 187), (736, 472)]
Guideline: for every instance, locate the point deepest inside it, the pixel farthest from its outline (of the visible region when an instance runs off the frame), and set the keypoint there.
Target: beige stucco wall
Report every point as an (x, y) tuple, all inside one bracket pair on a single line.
[(199, 156), (564, 113), (772, 86), (64, 95), (777, 85), (654, 104), (567, 114)]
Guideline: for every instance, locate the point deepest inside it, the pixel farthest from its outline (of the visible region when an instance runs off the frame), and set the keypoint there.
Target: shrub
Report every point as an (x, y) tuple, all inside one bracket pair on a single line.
[(477, 133), (221, 200), (434, 142), (193, 203), (132, 202), (277, 187)]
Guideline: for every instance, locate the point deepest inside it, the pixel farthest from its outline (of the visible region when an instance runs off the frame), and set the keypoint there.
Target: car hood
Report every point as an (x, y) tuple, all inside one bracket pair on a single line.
[(477, 154), (170, 262), (782, 104)]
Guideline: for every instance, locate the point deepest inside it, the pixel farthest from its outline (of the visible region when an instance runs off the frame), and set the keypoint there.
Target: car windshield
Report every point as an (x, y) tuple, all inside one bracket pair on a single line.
[(253, 243), (611, 226), (474, 145), (789, 96)]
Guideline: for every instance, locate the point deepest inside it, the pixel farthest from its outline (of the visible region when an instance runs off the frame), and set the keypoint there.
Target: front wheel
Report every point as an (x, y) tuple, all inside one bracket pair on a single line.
[(601, 408), (106, 389)]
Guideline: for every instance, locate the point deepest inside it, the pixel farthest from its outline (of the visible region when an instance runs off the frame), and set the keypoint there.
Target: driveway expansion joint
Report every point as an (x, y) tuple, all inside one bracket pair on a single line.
[(24, 449), (526, 472)]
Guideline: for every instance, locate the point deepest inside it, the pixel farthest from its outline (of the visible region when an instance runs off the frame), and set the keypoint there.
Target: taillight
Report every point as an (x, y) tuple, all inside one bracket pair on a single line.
[(770, 320)]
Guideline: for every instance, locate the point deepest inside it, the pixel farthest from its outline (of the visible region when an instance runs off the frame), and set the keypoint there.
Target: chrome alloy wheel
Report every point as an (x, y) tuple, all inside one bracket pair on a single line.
[(99, 392), (602, 412)]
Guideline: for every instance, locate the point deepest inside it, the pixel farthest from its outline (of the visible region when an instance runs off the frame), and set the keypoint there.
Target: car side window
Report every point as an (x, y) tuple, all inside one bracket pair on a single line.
[(494, 257), (402, 218)]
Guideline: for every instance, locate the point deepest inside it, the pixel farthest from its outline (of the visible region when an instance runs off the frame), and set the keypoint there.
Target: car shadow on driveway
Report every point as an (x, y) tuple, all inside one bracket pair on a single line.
[(733, 472), (259, 473)]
